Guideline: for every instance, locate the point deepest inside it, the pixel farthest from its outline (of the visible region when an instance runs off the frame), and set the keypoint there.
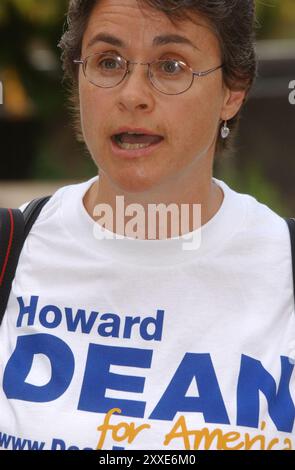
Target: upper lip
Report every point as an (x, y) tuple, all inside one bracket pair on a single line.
[(136, 130)]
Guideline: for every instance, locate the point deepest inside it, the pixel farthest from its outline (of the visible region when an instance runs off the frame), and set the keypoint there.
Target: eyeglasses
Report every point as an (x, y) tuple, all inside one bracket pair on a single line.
[(169, 76)]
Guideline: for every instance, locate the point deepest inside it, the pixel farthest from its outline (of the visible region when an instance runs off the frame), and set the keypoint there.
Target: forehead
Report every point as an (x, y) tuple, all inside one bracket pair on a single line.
[(135, 25)]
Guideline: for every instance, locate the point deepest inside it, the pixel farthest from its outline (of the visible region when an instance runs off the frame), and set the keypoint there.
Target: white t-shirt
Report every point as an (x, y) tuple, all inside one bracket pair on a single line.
[(193, 348)]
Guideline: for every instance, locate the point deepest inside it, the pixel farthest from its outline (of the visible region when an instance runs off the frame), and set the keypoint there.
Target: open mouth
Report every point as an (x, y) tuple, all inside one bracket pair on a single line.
[(130, 141)]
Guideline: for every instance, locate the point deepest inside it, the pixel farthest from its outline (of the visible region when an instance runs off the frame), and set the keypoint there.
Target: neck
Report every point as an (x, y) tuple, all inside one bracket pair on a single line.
[(190, 206)]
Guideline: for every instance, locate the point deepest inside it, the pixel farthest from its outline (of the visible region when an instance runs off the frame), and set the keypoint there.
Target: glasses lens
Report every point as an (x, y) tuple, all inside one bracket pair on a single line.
[(105, 70), (171, 76), (168, 76)]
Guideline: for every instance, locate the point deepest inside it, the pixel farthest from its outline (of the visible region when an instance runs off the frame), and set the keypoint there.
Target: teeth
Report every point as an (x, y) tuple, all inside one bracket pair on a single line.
[(127, 146)]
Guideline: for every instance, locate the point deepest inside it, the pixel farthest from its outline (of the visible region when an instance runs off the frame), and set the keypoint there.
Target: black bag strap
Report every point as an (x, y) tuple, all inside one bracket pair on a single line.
[(14, 228), (31, 213), (291, 225), (11, 236)]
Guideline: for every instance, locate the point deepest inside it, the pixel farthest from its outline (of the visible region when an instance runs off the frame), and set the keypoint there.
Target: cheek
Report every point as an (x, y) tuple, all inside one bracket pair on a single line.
[(196, 126), (200, 119), (92, 112), (86, 110)]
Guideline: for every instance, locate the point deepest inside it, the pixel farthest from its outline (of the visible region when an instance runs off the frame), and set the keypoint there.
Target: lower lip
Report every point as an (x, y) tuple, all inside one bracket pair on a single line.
[(134, 153)]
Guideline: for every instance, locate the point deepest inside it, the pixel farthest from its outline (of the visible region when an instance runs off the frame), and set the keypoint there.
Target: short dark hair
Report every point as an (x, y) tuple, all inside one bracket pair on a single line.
[(233, 22)]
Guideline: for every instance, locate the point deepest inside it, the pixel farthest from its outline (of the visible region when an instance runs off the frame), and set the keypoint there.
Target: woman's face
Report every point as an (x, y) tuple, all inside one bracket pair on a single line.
[(189, 122)]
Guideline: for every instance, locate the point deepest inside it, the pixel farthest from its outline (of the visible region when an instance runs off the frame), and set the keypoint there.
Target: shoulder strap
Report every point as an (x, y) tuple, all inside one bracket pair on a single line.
[(291, 225), (14, 228), (31, 213)]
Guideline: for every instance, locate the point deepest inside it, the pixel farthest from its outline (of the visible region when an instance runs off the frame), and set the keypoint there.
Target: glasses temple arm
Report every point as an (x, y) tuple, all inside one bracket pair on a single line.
[(202, 74)]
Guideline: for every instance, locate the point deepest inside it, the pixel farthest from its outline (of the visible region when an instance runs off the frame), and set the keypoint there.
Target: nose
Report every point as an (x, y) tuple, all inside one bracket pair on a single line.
[(136, 90)]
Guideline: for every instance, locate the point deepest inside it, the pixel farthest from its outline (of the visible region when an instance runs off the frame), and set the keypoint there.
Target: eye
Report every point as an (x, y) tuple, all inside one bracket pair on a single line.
[(171, 67), (105, 63), (108, 63)]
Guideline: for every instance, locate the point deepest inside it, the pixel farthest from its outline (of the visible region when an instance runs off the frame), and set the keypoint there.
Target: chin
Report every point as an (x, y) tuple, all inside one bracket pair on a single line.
[(135, 182)]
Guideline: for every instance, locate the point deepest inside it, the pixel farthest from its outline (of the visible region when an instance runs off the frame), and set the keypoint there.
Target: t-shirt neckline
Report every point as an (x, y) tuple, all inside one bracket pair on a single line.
[(166, 252)]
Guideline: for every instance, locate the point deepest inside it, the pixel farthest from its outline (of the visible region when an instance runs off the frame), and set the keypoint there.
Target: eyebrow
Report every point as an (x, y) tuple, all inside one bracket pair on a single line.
[(157, 41)]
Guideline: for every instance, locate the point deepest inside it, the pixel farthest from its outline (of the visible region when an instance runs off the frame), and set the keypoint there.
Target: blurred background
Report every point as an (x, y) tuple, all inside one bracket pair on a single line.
[(39, 152)]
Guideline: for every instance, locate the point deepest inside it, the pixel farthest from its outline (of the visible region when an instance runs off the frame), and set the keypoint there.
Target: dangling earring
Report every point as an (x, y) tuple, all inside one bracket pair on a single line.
[(225, 131)]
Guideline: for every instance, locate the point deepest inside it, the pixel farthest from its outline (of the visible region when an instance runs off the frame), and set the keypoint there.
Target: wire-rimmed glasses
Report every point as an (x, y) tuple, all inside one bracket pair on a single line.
[(169, 76)]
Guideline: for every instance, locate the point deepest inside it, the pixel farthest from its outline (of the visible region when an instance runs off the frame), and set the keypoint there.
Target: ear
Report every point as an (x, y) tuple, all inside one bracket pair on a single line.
[(232, 102)]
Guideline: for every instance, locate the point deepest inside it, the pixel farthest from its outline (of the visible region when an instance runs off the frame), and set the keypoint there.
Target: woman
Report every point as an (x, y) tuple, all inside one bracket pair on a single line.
[(128, 331)]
